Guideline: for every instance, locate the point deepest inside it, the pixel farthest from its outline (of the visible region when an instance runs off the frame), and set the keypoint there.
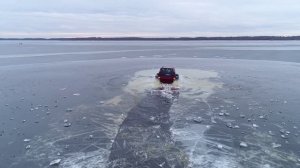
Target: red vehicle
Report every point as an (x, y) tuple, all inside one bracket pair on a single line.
[(167, 75)]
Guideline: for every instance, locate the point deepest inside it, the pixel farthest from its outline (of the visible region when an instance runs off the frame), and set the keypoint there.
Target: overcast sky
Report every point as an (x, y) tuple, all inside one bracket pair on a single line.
[(148, 18)]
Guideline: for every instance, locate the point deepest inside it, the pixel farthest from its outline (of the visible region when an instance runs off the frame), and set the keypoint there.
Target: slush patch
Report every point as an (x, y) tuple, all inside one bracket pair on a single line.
[(193, 84)]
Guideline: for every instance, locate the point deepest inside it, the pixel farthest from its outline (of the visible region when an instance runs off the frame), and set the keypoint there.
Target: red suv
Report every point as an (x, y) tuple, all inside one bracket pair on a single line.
[(167, 75)]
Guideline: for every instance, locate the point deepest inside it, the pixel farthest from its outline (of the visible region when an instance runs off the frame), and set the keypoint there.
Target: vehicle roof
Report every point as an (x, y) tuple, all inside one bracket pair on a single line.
[(167, 67)]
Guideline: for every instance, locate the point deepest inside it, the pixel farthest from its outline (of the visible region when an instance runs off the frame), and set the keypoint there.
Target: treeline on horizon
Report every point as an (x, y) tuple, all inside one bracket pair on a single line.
[(164, 38)]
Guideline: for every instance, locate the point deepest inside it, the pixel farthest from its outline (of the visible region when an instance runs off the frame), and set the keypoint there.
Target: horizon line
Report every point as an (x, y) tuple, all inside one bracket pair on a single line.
[(285, 37)]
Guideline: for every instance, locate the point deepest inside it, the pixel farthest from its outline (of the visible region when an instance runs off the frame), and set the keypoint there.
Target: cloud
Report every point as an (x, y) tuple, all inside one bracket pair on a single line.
[(69, 18)]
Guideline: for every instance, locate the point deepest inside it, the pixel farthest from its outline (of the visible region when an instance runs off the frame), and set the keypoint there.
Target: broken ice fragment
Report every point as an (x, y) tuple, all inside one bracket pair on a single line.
[(227, 114), (229, 125), (283, 136), (221, 114), (55, 162), (198, 119), (67, 124), (282, 131), (271, 133), (65, 121), (91, 136), (152, 118), (254, 125), (220, 146), (27, 147), (26, 140), (243, 144), (242, 116), (261, 117), (236, 127), (275, 145), (76, 94)]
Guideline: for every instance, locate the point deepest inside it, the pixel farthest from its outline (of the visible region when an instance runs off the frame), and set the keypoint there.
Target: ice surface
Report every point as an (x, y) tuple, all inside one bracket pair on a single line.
[(100, 89)]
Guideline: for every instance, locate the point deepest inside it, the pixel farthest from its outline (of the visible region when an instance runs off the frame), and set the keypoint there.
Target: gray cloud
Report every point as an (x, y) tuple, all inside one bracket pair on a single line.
[(69, 18)]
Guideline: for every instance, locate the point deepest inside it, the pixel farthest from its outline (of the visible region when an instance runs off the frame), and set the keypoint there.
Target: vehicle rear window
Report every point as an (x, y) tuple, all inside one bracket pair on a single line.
[(166, 71)]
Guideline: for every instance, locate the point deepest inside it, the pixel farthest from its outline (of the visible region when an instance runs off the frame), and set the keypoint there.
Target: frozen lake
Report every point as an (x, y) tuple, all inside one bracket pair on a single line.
[(96, 104)]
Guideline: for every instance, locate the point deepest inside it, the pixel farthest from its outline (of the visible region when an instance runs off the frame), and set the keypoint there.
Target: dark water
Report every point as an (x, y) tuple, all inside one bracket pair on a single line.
[(230, 92)]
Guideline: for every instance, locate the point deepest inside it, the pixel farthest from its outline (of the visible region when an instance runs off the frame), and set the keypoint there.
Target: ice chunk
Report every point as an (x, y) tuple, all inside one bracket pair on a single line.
[(55, 162), (28, 147), (229, 125), (198, 119), (152, 118), (236, 127), (67, 124), (220, 146), (243, 144), (91, 136), (255, 126), (65, 121), (27, 140), (76, 94), (271, 133), (275, 145), (282, 131), (221, 114)]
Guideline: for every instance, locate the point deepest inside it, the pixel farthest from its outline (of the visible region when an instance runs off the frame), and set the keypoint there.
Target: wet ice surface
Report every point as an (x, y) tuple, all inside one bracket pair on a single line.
[(94, 110)]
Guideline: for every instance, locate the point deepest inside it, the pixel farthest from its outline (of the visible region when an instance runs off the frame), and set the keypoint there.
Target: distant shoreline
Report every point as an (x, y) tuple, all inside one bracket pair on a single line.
[(162, 38)]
